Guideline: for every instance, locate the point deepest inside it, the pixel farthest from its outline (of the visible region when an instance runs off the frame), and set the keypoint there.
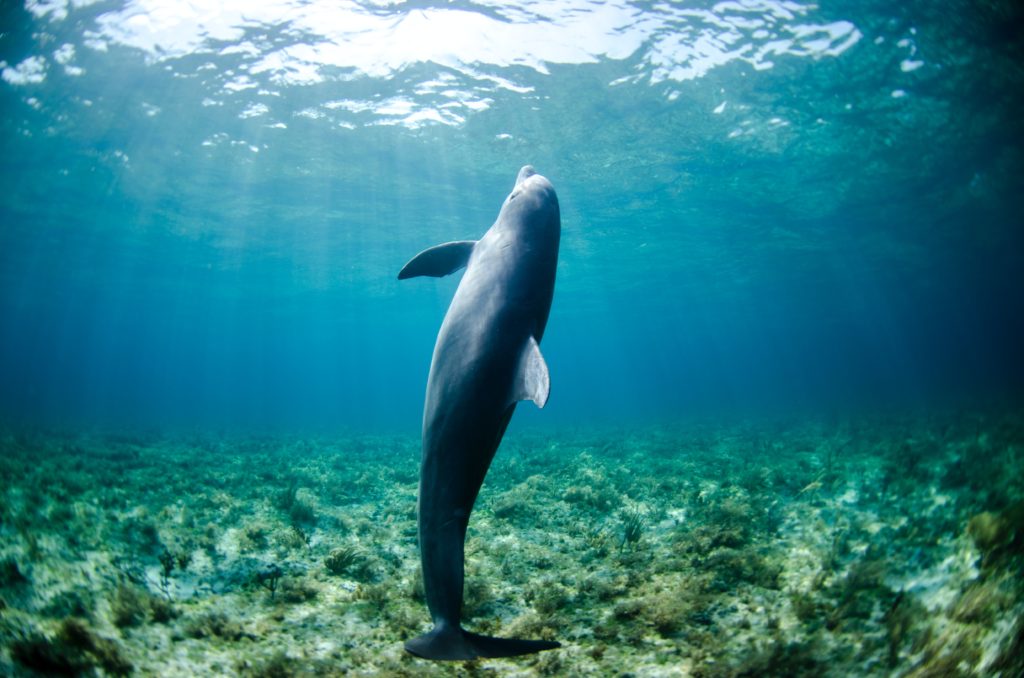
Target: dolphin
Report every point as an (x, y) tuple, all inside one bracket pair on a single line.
[(486, 359)]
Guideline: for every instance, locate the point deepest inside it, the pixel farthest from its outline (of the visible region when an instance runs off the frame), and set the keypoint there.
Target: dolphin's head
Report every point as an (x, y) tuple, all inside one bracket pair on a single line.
[(532, 204), (528, 180), (525, 173)]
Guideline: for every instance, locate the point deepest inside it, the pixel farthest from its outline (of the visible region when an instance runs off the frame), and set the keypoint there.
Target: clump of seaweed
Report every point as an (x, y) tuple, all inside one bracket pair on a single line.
[(215, 625), (279, 665), (254, 537), (286, 498), (71, 603), (298, 590), (548, 597), (133, 606), (734, 566), (1010, 660), (594, 490), (129, 606), (376, 603), (778, 658), (599, 542), (588, 497), (669, 613), (905, 466), (998, 536), (169, 560), (300, 512), (857, 594), (515, 504), (269, 577), (341, 560), (981, 466), (75, 650), (634, 524), (983, 600), (949, 655), (296, 538), (477, 596), (11, 574), (14, 584), (161, 610), (730, 523), (351, 561), (141, 535), (904, 625)]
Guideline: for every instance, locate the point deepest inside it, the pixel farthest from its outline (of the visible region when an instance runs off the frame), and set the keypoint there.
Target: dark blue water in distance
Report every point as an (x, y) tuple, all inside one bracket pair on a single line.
[(767, 207)]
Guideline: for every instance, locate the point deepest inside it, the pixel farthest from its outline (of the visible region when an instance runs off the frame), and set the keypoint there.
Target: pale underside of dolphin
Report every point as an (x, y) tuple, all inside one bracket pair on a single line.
[(486, 359)]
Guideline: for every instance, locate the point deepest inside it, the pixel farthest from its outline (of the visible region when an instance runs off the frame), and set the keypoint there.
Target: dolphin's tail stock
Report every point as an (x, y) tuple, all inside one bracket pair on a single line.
[(453, 643)]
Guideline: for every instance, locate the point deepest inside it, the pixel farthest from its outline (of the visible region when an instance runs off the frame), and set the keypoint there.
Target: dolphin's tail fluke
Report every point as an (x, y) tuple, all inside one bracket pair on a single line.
[(453, 644)]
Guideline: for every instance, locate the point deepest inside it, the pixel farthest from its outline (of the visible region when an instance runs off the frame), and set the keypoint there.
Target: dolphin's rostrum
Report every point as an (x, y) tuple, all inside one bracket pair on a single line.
[(487, 358)]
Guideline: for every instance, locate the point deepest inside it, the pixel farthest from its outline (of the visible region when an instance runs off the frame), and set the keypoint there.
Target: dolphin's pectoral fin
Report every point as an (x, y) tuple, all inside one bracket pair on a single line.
[(533, 381), (455, 644), (439, 260)]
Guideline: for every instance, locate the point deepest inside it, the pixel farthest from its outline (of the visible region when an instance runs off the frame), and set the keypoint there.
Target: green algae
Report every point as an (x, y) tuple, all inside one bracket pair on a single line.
[(74, 650), (715, 550)]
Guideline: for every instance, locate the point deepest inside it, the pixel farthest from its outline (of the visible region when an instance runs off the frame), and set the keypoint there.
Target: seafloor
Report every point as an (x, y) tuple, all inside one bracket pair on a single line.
[(870, 547)]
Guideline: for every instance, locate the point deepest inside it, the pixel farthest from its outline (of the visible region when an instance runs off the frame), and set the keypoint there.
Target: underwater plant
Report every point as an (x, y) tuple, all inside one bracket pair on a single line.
[(75, 602), (736, 566), (11, 574), (349, 560), (341, 559), (856, 594), (735, 573), (1010, 660), (167, 562), (633, 525), (75, 650), (777, 658), (268, 578), (254, 536), (299, 536), (215, 624), (548, 597), (297, 590), (286, 499), (279, 665), (999, 536), (301, 514), (129, 606), (904, 623)]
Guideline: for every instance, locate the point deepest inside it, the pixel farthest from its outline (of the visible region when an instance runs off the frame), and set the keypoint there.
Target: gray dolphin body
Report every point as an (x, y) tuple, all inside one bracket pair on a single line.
[(487, 358)]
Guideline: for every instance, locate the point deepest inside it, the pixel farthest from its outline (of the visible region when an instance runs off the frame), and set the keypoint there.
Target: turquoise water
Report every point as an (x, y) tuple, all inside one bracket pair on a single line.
[(784, 435), (767, 206)]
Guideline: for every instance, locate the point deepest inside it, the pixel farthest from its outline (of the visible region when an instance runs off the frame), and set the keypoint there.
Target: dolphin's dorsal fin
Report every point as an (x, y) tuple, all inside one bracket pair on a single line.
[(532, 381), (439, 260)]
